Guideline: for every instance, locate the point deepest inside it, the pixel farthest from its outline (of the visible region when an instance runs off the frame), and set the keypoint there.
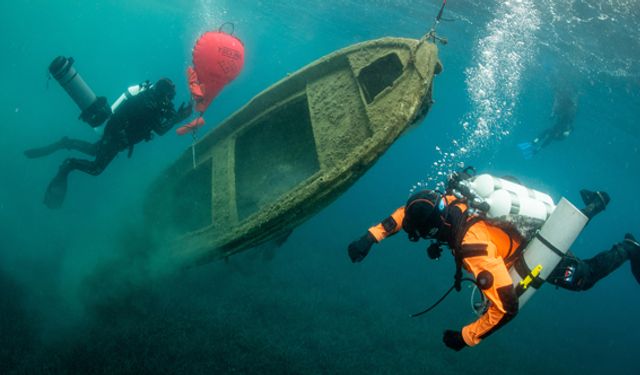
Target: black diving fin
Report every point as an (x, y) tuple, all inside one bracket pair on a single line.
[(634, 255), (39, 152), (595, 202), (57, 189)]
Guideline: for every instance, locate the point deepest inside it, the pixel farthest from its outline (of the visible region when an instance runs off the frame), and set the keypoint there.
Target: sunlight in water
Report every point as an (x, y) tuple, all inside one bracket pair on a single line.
[(493, 84), (211, 14)]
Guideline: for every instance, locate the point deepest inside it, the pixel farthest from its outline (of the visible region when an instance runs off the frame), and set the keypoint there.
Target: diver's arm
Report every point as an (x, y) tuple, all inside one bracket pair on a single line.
[(359, 248), (389, 226), (180, 115), (481, 261)]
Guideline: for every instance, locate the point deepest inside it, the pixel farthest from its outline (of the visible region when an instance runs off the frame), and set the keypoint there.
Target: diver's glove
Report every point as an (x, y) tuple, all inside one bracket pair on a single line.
[(434, 251), (453, 340), (183, 112), (359, 249)]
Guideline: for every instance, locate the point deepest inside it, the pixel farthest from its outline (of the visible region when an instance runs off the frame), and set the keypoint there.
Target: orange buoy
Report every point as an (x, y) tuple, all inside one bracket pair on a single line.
[(218, 58)]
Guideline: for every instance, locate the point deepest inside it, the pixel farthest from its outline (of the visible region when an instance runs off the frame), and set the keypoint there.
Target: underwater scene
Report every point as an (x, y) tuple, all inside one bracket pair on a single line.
[(320, 187)]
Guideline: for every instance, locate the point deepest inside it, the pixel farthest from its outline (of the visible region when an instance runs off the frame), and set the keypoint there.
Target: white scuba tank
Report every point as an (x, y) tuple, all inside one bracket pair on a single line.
[(95, 110), (546, 249), (62, 70), (505, 198), (129, 93)]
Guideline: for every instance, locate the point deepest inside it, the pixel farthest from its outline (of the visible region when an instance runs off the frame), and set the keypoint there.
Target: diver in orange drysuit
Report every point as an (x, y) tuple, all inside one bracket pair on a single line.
[(487, 251)]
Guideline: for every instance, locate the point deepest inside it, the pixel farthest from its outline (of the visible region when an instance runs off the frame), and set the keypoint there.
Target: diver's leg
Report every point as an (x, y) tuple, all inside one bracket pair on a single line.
[(576, 274), (64, 143), (57, 189), (82, 146), (104, 156), (39, 152)]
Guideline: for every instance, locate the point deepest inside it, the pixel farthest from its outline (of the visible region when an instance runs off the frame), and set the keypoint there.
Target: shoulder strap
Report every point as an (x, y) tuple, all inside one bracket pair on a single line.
[(459, 228)]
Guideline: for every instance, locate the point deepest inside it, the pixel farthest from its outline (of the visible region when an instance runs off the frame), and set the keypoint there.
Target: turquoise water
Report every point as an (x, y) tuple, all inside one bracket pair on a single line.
[(67, 307)]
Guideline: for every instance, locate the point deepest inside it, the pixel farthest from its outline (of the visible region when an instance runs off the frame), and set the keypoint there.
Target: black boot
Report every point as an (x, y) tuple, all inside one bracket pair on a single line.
[(633, 248), (57, 189), (47, 150), (595, 201)]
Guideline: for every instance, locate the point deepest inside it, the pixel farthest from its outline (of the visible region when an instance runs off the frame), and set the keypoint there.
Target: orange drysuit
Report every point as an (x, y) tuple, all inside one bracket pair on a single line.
[(483, 248)]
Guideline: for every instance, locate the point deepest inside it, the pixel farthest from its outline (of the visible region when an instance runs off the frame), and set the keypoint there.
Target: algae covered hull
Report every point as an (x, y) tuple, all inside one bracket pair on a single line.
[(292, 149)]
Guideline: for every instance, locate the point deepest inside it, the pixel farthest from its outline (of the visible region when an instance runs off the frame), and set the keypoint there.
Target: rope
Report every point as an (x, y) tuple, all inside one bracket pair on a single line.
[(193, 148), (194, 139), (431, 35), (233, 27)]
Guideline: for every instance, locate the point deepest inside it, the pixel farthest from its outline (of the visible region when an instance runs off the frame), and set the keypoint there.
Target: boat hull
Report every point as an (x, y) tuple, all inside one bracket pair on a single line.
[(292, 149)]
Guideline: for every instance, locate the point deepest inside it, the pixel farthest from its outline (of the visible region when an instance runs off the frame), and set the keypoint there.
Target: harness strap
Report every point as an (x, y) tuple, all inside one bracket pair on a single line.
[(550, 245)]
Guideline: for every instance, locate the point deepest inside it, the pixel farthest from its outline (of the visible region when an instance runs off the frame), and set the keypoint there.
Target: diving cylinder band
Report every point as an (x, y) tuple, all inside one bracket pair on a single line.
[(94, 109), (544, 252)]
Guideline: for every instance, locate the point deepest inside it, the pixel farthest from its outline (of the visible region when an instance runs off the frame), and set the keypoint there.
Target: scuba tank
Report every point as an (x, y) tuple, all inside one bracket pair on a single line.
[(95, 110), (498, 197), (542, 254), (129, 93), (549, 229), (503, 202), (546, 249)]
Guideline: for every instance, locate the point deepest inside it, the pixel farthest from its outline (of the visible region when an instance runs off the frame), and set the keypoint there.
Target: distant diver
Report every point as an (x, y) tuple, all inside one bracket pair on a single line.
[(141, 111), (565, 106), (492, 249)]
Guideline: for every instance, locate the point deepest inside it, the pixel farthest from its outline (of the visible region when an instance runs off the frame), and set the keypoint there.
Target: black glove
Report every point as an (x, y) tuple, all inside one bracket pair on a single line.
[(183, 112), (434, 251), (360, 248), (454, 340)]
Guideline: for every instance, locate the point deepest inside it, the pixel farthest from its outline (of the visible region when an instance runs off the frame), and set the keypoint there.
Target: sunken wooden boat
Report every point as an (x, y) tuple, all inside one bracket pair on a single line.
[(292, 149)]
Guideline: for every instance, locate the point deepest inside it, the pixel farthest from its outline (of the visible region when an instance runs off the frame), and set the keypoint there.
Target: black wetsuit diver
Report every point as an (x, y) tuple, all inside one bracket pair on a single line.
[(132, 122), (564, 112)]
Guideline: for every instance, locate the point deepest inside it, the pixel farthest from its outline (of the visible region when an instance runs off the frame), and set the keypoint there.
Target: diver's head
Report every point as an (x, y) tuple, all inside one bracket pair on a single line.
[(422, 215), (164, 89)]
